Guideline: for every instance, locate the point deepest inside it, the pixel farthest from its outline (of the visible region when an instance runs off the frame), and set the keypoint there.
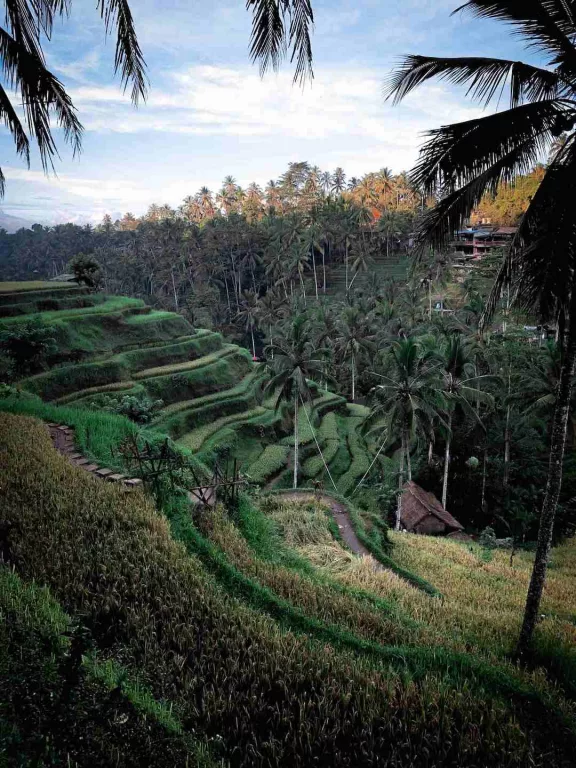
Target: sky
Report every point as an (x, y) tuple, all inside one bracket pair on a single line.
[(209, 114)]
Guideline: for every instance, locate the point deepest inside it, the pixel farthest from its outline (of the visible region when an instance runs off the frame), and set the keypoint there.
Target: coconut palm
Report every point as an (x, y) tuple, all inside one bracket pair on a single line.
[(326, 182), (295, 362), (407, 403), (271, 309), (461, 391), (248, 314), (460, 163), (280, 25), (354, 336), (338, 181), (38, 90)]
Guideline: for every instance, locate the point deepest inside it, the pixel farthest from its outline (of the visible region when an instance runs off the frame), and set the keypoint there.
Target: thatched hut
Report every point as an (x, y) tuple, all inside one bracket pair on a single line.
[(421, 512)]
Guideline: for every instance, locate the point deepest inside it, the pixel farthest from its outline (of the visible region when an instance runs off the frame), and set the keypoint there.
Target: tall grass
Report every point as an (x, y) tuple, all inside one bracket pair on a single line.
[(266, 696), (96, 434), (74, 709)]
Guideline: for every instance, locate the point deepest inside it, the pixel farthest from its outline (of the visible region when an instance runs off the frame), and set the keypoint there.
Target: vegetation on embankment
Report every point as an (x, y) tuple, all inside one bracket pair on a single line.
[(62, 705), (107, 557)]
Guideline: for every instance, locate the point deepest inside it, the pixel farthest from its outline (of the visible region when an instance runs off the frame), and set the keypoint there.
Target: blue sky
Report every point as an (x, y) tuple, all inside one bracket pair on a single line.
[(209, 114)]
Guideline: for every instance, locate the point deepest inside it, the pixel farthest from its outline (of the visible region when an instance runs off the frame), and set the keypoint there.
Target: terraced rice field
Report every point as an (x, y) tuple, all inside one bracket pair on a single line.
[(212, 392)]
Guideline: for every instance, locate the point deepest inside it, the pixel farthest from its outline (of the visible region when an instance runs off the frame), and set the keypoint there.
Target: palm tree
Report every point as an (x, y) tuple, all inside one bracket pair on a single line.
[(248, 315), (460, 384), (277, 26), (271, 309), (294, 363), (326, 182), (409, 400), (353, 337), (338, 181), (464, 161)]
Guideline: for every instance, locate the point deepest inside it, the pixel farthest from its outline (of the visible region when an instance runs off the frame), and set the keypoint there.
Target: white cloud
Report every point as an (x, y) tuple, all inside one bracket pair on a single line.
[(210, 100)]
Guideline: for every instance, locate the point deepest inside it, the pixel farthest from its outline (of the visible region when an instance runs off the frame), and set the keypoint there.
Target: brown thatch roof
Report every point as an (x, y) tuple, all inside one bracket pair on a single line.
[(417, 504)]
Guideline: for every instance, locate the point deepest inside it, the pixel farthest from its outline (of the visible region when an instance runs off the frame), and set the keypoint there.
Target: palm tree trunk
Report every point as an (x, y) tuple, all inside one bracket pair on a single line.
[(346, 276), (296, 442), (353, 378), (303, 286), (315, 275), (430, 452), (174, 290), (253, 342), (484, 467), (228, 295), (271, 340), (408, 458), (507, 448), (557, 446), (400, 485), (447, 462), (324, 269)]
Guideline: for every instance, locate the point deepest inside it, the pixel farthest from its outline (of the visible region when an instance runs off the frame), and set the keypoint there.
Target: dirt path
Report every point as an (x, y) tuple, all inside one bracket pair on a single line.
[(342, 518)]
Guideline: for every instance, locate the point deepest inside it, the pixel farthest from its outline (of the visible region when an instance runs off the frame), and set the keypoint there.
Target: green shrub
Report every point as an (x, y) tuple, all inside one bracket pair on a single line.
[(28, 345), (138, 408), (86, 270)]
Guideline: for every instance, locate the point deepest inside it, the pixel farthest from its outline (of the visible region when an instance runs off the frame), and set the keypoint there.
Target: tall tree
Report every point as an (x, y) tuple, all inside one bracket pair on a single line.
[(407, 403), (354, 336), (295, 362), (462, 162), (461, 391)]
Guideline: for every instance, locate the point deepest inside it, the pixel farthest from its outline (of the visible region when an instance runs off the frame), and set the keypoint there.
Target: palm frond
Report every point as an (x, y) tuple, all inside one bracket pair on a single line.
[(456, 154), (540, 265), (438, 224), (486, 78), (42, 93), (12, 122), (25, 21), (548, 24), (129, 60), (271, 37)]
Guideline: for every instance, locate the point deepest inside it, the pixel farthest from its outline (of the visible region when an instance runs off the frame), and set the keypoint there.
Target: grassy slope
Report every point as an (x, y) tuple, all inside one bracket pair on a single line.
[(52, 699), (160, 610)]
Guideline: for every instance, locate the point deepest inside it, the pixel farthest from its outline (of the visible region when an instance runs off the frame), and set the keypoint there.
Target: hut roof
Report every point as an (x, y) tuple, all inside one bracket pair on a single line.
[(418, 504)]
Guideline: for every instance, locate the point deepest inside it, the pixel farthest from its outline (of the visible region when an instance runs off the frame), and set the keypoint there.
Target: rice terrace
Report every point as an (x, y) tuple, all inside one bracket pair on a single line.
[(288, 468)]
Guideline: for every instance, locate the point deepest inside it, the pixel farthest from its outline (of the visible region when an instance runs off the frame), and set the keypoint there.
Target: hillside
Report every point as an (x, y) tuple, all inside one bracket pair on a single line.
[(210, 393), (283, 630)]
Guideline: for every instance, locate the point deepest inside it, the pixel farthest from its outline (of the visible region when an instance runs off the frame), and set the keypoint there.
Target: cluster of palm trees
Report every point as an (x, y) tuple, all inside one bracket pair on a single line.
[(437, 390), (301, 188)]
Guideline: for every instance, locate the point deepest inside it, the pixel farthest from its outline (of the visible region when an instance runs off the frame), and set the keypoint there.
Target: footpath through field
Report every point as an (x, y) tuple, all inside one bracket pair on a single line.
[(342, 518)]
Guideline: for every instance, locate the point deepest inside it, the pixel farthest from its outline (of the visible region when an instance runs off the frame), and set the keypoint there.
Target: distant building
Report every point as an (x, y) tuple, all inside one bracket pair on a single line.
[(475, 242), (421, 512)]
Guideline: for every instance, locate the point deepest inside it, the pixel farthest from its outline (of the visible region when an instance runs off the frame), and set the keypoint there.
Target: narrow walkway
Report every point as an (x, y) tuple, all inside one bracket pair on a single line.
[(63, 439), (342, 518)]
